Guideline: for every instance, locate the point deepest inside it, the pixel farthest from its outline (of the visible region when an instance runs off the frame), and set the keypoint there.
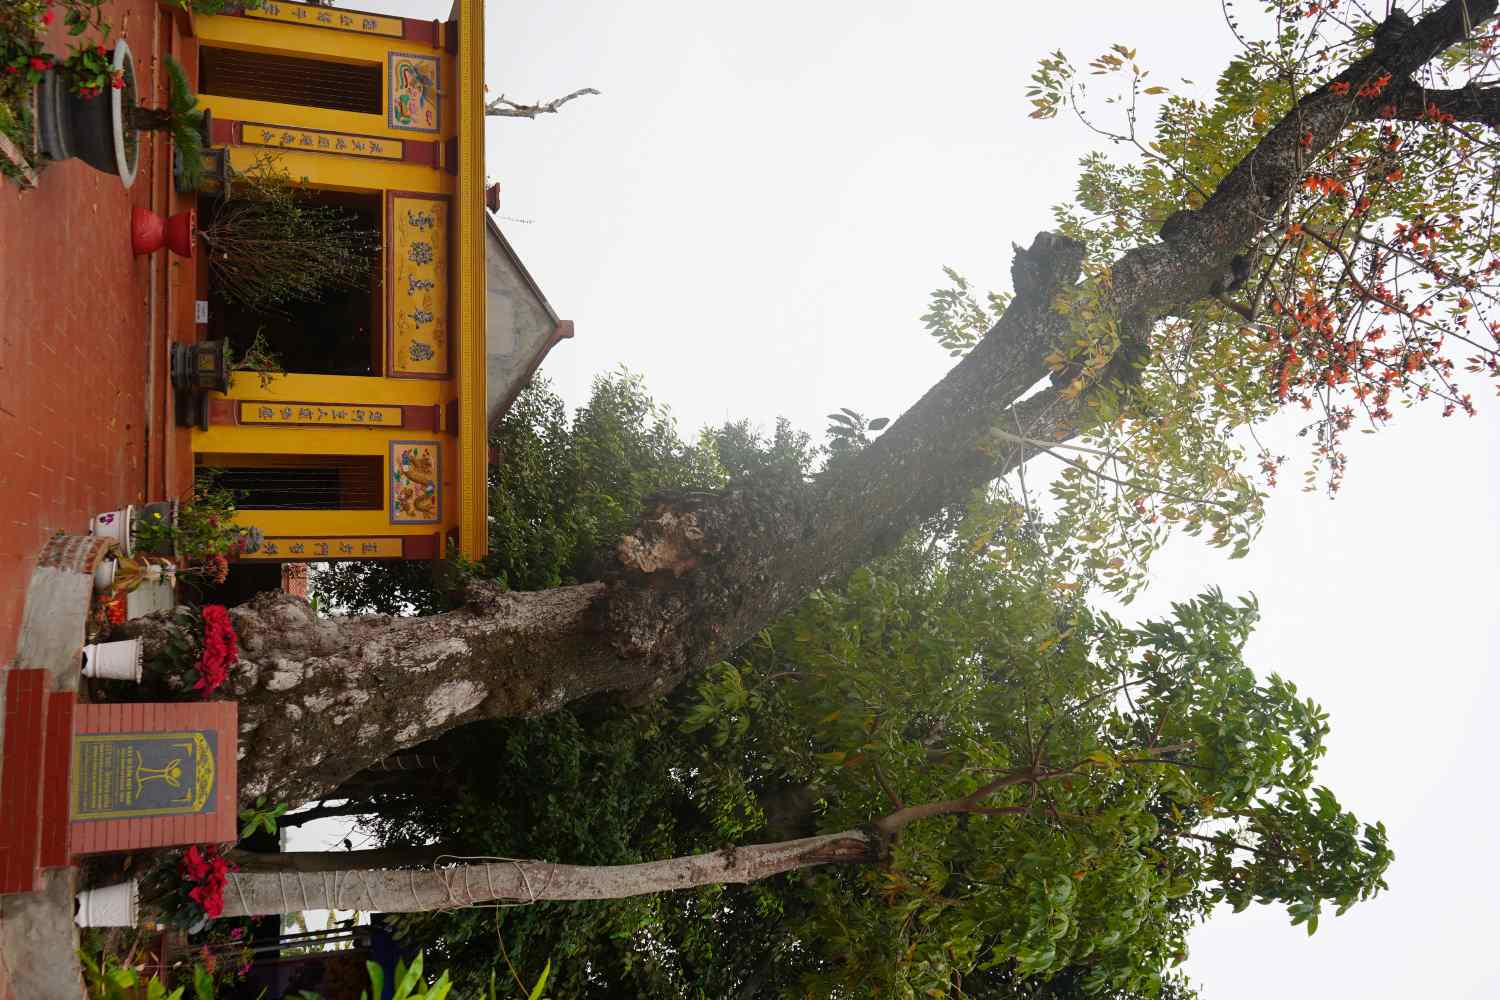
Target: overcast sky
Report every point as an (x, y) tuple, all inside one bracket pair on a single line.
[(752, 216)]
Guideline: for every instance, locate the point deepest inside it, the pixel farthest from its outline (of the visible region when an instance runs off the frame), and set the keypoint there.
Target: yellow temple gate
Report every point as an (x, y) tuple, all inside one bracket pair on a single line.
[(374, 442)]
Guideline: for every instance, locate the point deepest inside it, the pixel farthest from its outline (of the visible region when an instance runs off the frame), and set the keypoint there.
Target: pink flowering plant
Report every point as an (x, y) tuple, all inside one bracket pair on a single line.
[(203, 535), (89, 69)]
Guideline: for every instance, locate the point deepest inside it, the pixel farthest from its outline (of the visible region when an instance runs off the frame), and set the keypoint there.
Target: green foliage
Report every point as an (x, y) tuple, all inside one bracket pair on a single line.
[(1113, 783), (407, 983), (848, 431), (181, 119), (956, 319), (1373, 286), (261, 816), (1136, 777), (562, 489), (258, 357), (106, 979)]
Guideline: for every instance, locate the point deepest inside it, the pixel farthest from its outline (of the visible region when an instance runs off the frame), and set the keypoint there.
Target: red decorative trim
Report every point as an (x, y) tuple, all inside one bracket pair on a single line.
[(450, 37), (450, 155), (450, 418), (421, 546), (426, 32), (181, 16), (224, 132), (424, 152), (419, 418), (222, 410)]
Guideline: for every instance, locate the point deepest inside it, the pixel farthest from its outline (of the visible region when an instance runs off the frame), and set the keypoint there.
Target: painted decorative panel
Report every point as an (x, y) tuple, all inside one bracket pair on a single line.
[(322, 17), (417, 276), (309, 140), (319, 414), (416, 482), (310, 547), (412, 92)]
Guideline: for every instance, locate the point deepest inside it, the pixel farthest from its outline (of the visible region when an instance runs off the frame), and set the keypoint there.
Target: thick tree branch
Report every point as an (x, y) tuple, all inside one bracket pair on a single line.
[(504, 107), (1480, 105)]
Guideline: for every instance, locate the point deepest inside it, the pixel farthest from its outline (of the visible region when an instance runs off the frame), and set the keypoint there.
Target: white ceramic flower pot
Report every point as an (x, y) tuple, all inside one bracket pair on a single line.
[(115, 525), (115, 661), (108, 906), (104, 575)]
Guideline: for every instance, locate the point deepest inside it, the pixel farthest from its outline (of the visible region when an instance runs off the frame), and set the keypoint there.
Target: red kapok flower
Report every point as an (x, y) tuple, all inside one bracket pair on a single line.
[(48, 17)]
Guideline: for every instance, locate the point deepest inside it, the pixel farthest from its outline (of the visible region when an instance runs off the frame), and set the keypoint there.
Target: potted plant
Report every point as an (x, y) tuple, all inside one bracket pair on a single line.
[(200, 649), (202, 529), (269, 245), (74, 123)]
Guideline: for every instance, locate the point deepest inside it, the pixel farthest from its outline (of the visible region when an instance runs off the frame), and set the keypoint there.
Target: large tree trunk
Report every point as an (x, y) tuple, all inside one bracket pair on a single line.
[(702, 572)]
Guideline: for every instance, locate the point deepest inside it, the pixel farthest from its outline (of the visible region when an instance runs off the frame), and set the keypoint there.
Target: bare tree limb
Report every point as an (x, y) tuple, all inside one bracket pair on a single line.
[(504, 107)]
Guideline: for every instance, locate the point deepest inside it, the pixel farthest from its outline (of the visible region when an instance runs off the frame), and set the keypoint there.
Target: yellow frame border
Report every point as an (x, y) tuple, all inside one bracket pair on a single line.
[(473, 456)]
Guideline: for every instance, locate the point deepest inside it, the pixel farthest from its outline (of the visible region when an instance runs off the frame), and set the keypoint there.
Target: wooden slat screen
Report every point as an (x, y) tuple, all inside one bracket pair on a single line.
[(315, 83), (306, 482)]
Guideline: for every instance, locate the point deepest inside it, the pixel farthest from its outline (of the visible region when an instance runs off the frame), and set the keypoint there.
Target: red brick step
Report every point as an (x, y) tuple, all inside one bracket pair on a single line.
[(20, 790)]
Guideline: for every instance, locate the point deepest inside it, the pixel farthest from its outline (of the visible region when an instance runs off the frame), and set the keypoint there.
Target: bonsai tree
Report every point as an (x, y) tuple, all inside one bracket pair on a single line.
[(181, 119), (271, 245)]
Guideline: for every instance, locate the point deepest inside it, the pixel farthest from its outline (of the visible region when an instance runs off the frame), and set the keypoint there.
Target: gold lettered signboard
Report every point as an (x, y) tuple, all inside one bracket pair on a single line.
[(124, 775), (308, 140), (417, 319), (318, 414), (323, 17), (314, 548)]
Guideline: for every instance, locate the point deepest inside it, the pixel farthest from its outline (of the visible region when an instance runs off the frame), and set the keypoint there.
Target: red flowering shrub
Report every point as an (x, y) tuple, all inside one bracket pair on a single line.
[(221, 649), (207, 869)]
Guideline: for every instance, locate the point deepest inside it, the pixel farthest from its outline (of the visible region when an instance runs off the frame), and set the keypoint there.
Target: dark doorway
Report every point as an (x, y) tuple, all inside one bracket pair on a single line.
[(340, 333)]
